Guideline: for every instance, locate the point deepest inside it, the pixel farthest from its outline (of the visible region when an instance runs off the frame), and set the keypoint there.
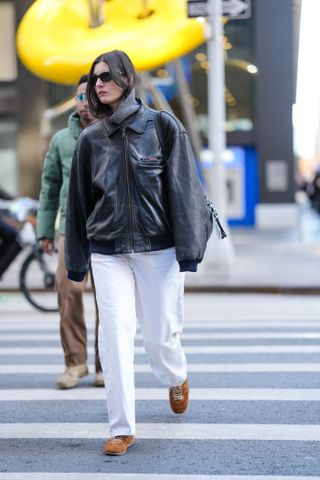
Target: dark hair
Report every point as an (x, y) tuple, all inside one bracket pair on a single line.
[(123, 74), (83, 79)]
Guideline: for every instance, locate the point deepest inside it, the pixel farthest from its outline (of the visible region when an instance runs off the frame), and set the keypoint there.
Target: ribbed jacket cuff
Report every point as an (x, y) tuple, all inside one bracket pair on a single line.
[(188, 266), (76, 276)]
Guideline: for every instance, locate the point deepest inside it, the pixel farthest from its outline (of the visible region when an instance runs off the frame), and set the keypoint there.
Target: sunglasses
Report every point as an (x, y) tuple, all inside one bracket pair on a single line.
[(104, 77), (81, 97)]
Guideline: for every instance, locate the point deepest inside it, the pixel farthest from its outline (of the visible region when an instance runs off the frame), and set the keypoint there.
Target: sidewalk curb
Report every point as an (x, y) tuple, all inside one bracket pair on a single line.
[(274, 289), (254, 289)]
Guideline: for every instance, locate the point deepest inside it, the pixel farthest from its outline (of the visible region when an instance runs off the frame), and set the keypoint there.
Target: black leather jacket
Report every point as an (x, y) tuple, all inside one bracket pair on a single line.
[(126, 195)]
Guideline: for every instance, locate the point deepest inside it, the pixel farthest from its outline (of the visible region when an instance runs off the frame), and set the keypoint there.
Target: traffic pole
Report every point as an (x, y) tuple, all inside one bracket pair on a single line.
[(220, 253)]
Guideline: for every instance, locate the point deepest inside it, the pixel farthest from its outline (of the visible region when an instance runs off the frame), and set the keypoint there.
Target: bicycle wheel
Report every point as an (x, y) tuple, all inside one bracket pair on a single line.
[(37, 280)]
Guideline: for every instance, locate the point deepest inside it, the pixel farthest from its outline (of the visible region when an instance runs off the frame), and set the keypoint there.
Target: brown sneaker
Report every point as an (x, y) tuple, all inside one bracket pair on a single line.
[(118, 445), (179, 397), (71, 375)]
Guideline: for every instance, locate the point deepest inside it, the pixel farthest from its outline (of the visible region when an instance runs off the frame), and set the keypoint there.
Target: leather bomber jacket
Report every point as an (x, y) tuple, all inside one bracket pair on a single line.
[(126, 195)]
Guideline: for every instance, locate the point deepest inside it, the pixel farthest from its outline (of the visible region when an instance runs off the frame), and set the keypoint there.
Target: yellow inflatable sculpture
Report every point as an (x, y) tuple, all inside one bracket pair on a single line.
[(56, 43)]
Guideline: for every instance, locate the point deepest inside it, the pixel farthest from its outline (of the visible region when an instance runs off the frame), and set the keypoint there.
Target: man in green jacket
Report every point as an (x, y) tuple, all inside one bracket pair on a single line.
[(53, 198)]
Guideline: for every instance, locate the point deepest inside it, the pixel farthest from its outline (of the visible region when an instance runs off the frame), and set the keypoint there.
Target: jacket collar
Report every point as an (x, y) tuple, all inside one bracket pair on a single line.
[(131, 113), (74, 124)]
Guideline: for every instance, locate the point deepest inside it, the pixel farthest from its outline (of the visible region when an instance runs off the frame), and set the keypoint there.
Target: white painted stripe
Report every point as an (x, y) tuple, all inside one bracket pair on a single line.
[(220, 305), (192, 368), (171, 431), (191, 350), (45, 324), (28, 337), (234, 394), (140, 476), (257, 311)]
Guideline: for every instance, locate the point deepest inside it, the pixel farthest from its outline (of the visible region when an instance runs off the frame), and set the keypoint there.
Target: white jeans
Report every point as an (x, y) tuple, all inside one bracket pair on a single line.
[(147, 287)]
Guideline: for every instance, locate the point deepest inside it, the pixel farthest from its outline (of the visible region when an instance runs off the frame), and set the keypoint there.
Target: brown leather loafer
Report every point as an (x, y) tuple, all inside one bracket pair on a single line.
[(118, 445), (179, 397)]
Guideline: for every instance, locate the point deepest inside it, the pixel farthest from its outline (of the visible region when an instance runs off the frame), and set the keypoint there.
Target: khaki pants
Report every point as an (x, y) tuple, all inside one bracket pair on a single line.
[(72, 324)]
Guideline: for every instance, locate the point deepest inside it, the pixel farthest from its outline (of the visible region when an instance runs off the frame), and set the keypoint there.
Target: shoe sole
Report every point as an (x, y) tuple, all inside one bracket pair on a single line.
[(117, 454), (63, 386), (180, 412), (98, 384)]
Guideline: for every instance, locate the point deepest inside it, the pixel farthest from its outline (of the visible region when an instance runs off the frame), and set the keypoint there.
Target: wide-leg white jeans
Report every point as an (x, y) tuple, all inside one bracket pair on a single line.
[(147, 287)]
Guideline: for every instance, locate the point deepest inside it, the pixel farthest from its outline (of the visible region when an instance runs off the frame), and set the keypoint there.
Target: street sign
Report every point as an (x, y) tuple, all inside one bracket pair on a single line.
[(197, 8), (236, 9), (233, 9)]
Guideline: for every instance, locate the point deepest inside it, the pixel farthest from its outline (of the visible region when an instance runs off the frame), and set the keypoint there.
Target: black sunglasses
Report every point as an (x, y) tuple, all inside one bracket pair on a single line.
[(104, 77)]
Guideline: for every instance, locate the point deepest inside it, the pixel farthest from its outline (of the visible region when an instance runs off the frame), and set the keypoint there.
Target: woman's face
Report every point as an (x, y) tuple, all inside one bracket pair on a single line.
[(108, 92)]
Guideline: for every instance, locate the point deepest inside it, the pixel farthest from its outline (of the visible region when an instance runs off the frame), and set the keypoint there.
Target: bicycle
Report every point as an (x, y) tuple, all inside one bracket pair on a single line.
[(37, 272)]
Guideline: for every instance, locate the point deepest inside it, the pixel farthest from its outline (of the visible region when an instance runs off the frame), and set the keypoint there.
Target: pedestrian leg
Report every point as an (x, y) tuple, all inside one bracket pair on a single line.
[(159, 292), (72, 323), (115, 293)]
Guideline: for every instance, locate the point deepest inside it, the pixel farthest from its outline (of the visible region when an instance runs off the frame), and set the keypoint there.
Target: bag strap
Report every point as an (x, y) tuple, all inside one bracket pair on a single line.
[(220, 232), (158, 122), (166, 125)]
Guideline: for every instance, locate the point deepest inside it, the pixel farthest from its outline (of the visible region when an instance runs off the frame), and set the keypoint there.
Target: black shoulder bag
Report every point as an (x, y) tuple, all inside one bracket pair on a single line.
[(213, 212)]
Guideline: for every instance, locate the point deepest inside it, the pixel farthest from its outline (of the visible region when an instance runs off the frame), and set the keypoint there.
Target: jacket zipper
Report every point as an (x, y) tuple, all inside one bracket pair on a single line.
[(126, 163)]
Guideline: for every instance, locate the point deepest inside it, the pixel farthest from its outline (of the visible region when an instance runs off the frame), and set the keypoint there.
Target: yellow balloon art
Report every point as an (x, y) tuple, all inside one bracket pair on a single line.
[(56, 43)]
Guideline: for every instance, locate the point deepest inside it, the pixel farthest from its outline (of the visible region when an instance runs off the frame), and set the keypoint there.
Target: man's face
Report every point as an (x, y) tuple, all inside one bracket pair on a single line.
[(82, 106)]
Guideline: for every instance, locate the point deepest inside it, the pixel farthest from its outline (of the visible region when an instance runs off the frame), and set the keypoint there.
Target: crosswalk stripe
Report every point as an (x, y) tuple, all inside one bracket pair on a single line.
[(192, 368), (28, 337), (191, 350), (141, 476), (14, 325), (181, 431), (234, 394)]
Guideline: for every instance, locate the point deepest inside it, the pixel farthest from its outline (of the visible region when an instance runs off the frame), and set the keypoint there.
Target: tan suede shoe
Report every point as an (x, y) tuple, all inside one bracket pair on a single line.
[(99, 380), (71, 375), (118, 445), (179, 397)]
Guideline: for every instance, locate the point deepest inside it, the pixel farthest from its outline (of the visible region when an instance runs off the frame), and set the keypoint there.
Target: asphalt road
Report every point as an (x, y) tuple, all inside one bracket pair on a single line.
[(254, 370)]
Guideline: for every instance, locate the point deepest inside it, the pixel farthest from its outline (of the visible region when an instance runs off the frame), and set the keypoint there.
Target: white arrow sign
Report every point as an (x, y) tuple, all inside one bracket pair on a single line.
[(237, 8), (234, 9)]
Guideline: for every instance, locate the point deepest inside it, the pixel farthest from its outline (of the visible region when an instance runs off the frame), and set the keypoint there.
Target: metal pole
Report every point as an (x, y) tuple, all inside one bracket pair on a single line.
[(216, 107), (189, 116), (145, 10), (96, 13), (220, 253), (159, 100)]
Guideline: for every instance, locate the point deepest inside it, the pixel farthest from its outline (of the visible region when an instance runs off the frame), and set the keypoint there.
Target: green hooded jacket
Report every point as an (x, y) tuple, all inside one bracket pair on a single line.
[(55, 179)]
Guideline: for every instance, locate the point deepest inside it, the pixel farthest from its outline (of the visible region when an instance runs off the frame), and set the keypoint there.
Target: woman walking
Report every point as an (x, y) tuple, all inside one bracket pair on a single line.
[(137, 208)]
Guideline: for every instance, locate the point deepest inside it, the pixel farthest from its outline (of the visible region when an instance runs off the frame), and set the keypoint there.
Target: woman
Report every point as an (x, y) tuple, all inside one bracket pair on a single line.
[(137, 208)]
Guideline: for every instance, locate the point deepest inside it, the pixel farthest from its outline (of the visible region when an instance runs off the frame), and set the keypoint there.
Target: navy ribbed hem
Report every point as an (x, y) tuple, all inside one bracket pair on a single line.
[(76, 276), (188, 266), (160, 243), (106, 247), (109, 248)]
